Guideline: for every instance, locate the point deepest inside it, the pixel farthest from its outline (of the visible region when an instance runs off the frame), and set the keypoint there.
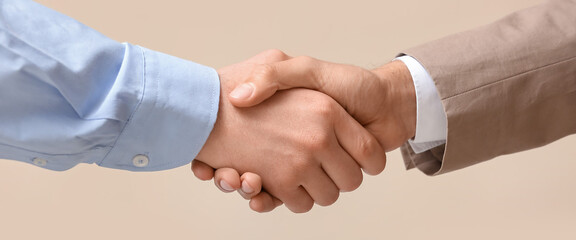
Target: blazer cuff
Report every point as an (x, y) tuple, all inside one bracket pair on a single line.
[(429, 162)]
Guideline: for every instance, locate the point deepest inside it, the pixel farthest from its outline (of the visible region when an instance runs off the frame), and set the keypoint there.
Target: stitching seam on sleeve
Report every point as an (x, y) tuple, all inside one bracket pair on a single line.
[(507, 78)]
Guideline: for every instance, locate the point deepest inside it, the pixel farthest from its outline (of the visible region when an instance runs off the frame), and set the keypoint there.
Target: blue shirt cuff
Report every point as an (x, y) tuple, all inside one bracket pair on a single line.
[(174, 117)]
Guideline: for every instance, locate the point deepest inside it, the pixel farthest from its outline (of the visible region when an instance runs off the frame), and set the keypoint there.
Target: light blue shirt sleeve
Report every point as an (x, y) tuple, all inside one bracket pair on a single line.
[(431, 123), (70, 95)]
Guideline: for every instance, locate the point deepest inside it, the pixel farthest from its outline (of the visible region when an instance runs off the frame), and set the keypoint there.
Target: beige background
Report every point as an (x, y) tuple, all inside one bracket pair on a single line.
[(530, 195)]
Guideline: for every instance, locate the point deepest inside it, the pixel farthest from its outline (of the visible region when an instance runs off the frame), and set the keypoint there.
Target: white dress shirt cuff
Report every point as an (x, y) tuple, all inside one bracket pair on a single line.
[(431, 119)]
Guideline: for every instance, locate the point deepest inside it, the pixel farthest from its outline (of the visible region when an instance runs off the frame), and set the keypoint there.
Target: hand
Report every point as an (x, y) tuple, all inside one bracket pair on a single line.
[(302, 144), (383, 100), (249, 185)]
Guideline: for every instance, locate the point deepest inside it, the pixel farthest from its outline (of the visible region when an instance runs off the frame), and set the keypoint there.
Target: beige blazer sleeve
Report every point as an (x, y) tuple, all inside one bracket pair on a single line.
[(506, 87)]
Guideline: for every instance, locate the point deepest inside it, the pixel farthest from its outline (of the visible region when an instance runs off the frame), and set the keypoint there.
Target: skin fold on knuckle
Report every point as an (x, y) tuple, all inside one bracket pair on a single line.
[(313, 71), (317, 141), (264, 73), (367, 149), (325, 108)]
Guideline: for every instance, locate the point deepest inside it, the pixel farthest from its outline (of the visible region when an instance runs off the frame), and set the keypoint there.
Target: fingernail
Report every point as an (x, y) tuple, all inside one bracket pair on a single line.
[(226, 186), (243, 91), (242, 193), (246, 188)]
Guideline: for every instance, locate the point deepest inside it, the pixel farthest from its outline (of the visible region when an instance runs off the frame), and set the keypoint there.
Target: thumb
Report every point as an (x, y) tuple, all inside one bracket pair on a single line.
[(266, 79)]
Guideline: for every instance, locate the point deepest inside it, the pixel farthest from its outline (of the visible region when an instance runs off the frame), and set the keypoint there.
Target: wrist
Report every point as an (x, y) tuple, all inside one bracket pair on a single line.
[(211, 147), (402, 96)]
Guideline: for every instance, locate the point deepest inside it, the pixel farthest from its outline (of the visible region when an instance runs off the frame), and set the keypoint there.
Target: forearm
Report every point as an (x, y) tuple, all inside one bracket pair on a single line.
[(505, 87), (71, 95)]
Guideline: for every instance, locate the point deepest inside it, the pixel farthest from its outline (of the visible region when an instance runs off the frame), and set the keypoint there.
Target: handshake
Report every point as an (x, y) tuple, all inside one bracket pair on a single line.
[(309, 142)]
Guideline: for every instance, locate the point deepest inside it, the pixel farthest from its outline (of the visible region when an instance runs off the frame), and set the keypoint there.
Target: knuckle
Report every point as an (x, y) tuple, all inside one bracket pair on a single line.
[(302, 165), (367, 147), (367, 154), (324, 107), (275, 55), (318, 141), (374, 163), (263, 72), (318, 136), (309, 63)]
